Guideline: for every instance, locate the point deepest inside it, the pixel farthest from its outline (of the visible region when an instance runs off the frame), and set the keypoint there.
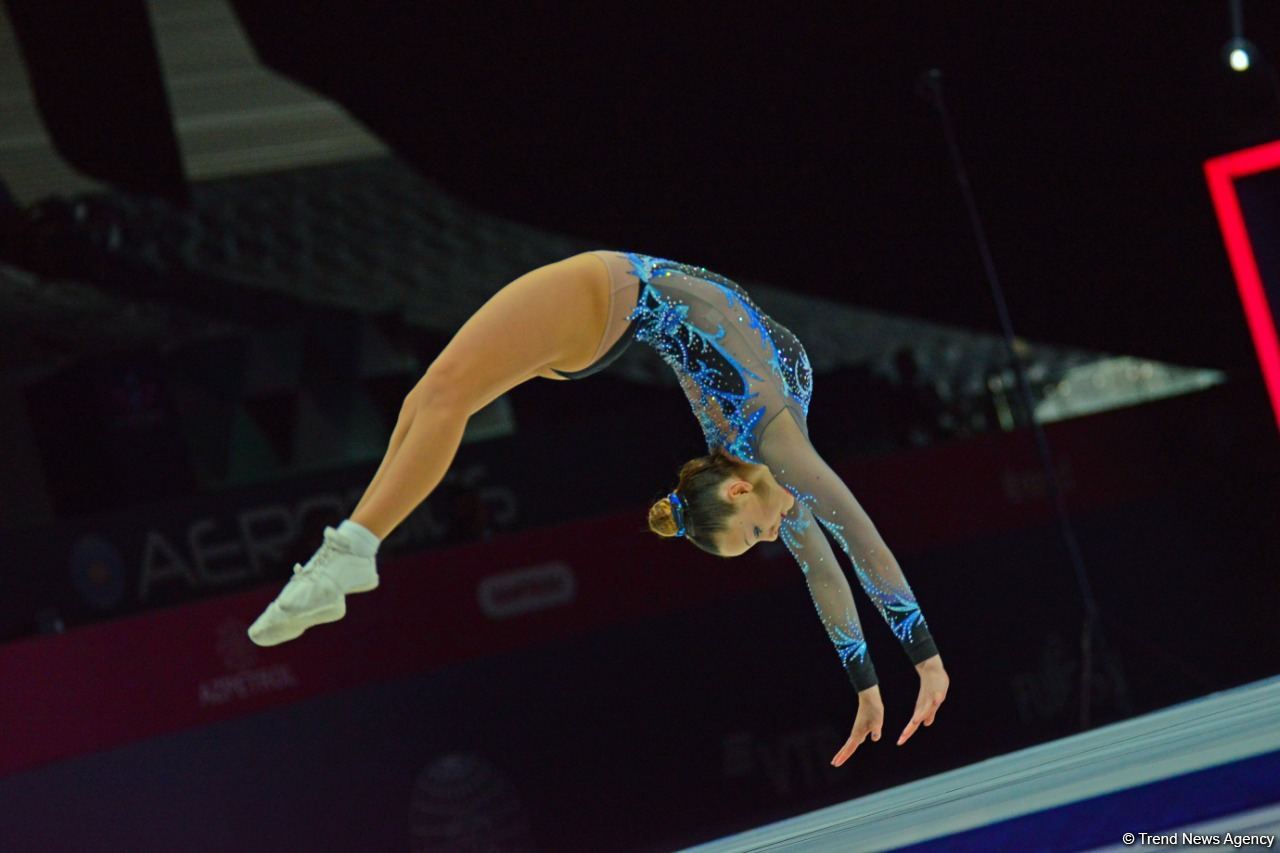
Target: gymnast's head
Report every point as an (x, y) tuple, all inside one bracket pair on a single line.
[(727, 505)]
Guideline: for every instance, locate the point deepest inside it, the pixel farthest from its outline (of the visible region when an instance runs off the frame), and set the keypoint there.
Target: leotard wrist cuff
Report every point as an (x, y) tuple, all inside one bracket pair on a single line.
[(921, 647), (862, 675)]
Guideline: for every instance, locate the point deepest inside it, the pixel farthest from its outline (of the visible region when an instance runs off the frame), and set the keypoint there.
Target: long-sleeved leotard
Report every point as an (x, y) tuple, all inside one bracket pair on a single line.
[(741, 371)]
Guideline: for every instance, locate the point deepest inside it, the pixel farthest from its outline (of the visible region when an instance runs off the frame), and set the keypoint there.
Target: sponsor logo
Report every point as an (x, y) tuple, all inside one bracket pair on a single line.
[(1051, 691), (247, 680), (226, 548), (97, 572), (526, 590), (462, 801), (792, 761), (245, 685)]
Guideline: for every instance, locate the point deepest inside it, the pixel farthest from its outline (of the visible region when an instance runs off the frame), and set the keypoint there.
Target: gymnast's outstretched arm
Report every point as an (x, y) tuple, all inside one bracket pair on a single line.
[(824, 502)]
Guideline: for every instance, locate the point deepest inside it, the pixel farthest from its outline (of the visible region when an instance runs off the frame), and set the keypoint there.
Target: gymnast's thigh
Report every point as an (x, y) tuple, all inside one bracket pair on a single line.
[(550, 315)]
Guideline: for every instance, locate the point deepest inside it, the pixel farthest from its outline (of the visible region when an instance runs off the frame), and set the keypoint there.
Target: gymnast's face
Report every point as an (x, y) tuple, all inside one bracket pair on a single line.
[(760, 505)]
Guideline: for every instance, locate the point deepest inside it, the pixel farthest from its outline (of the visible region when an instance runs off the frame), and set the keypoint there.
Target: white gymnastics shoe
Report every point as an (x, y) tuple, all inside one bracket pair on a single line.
[(315, 593)]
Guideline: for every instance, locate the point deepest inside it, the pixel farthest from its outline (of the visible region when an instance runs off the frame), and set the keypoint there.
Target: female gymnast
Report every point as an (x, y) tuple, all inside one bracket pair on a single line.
[(749, 383)]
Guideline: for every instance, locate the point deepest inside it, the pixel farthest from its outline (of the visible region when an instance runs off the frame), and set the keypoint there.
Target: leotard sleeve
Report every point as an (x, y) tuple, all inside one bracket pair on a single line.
[(824, 501)]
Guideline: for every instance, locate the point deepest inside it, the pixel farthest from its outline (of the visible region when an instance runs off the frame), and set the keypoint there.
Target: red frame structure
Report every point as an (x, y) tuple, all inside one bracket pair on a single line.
[(1222, 173)]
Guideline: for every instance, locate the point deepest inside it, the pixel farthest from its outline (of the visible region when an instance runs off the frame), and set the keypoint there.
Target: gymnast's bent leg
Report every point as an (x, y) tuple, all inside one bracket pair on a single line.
[(549, 316)]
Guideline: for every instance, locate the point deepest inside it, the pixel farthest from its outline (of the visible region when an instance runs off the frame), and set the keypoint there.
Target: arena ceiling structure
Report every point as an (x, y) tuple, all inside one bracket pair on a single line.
[(788, 149)]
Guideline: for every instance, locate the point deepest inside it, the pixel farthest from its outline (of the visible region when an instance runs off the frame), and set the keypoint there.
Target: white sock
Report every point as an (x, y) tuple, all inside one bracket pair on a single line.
[(363, 542)]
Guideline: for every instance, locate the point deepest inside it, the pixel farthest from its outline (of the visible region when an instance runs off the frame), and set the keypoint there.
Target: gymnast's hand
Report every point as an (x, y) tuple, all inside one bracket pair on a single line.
[(933, 689), (869, 721)]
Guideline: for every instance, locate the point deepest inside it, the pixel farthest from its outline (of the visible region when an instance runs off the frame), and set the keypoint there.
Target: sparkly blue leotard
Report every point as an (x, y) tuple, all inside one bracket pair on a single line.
[(741, 370)]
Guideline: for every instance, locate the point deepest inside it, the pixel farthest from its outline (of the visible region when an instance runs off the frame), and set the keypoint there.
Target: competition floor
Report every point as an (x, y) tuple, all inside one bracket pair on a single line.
[(1209, 766)]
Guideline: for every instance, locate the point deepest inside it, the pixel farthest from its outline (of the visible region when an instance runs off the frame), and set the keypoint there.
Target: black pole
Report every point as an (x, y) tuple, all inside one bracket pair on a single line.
[(930, 87)]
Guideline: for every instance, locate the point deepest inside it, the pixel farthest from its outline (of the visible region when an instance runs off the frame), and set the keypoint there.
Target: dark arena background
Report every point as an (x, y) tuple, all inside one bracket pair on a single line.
[(1032, 249)]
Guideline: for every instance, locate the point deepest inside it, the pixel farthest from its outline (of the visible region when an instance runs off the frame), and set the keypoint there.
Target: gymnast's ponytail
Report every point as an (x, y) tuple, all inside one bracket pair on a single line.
[(694, 509)]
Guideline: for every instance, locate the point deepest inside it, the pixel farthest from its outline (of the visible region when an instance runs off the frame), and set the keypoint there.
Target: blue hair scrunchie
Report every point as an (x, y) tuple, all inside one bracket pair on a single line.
[(678, 506)]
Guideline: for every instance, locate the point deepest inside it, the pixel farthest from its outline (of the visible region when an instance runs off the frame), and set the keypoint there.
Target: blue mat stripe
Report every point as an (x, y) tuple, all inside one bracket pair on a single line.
[(1155, 807)]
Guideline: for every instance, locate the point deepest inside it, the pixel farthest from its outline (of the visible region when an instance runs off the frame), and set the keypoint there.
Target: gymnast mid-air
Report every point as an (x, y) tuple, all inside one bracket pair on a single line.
[(749, 383)]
